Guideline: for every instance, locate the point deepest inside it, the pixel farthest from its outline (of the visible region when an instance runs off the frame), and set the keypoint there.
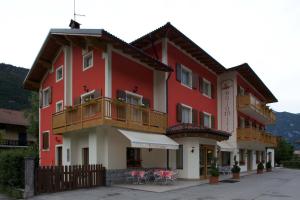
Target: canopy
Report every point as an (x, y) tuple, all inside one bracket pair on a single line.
[(226, 146), (149, 140)]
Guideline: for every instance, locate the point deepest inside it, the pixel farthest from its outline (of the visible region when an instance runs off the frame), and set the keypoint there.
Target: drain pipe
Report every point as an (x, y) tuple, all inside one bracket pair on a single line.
[(167, 111)]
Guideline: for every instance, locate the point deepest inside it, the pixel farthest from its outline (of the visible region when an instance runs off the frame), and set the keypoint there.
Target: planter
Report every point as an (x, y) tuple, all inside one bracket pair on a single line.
[(269, 169), (213, 180), (260, 171), (236, 176)]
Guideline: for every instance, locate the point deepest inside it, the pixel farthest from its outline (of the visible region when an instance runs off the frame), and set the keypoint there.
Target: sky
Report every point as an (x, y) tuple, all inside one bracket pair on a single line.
[(263, 33)]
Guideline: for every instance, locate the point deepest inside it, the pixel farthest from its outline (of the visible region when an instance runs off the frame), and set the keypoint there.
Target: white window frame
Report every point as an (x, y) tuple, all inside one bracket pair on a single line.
[(86, 94), (62, 106), (83, 58), (190, 77), (209, 115), (190, 113), (140, 97), (209, 92), (45, 106), (47, 131), (62, 73)]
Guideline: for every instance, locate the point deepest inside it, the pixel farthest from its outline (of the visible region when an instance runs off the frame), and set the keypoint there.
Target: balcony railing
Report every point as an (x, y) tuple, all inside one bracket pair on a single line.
[(105, 111), (14, 143), (250, 105), (255, 135)]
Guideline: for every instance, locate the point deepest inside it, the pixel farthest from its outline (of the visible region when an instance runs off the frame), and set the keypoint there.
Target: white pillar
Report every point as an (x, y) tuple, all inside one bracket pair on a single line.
[(93, 148)]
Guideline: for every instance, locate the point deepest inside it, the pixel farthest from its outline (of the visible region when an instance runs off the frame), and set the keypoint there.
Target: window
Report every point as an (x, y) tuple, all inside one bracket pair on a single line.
[(242, 156), (133, 99), (241, 91), (186, 77), (186, 114), (135, 111), (242, 122), (45, 138), (59, 73), (88, 60), (46, 97), (207, 120), (87, 96), (133, 157), (257, 157), (206, 88), (59, 106), (179, 157)]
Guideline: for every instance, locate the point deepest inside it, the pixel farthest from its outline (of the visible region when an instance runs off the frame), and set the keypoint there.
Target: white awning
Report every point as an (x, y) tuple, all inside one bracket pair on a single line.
[(226, 146), (149, 140)]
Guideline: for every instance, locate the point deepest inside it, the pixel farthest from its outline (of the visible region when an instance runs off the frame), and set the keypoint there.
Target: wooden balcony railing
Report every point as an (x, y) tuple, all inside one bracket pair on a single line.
[(255, 135), (14, 143), (105, 111), (250, 105)]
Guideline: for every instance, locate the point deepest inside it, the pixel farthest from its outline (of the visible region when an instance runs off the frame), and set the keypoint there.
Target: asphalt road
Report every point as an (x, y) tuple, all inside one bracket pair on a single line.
[(279, 184)]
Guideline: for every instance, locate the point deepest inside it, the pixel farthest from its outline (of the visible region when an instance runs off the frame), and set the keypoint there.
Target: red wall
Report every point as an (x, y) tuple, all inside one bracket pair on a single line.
[(178, 93), (48, 157), (127, 74)]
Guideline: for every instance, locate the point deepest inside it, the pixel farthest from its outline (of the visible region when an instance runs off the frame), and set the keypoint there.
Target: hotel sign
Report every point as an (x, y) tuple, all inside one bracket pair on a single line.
[(227, 106)]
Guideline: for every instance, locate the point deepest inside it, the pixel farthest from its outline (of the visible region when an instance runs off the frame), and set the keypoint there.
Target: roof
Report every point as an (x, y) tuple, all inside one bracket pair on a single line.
[(12, 117), (80, 37), (174, 35), (246, 71), (190, 130)]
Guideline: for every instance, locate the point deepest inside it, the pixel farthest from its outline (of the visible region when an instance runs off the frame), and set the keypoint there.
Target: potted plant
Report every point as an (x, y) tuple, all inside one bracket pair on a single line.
[(260, 168), (235, 170), (269, 166), (214, 172)]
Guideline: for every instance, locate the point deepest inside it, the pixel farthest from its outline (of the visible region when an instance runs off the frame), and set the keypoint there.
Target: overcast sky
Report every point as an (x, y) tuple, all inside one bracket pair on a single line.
[(263, 33)]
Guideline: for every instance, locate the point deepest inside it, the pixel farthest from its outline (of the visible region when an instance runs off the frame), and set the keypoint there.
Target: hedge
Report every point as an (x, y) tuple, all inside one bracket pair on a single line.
[(12, 166), (295, 164)]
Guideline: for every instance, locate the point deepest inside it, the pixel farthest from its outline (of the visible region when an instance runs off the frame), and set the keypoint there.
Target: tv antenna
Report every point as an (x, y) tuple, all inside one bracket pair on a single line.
[(76, 14)]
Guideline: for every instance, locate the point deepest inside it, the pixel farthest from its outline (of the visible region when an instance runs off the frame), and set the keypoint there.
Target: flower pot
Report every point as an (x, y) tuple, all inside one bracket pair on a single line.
[(269, 169), (236, 176), (213, 180), (260, 171)]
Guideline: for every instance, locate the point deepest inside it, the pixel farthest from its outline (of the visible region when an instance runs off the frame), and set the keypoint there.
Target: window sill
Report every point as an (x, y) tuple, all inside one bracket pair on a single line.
[(44, 107), (187, 86), (86, 68), (206, 95), (57, 80)]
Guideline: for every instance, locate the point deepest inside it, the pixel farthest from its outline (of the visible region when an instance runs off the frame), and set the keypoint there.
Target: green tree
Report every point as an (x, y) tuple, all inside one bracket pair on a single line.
[(32, 115), (284, 151)]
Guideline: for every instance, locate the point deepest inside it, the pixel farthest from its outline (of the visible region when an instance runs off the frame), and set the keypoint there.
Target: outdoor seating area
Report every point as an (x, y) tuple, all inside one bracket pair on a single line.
[(225, 170), (152, 176)]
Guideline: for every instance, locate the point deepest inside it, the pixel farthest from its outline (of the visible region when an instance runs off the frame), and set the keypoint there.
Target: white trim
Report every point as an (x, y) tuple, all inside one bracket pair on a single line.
[(209, 83), (135, 95), (86, 55), (164, 46), (58, 145), (191, 112), (108, 71), (55, 59), (62, 71), (47, 88), (86, 94), (46, 131), (62, 104), (190, 77)]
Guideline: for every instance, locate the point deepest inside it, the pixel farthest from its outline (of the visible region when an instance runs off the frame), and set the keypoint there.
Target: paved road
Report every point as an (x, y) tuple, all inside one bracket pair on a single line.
[(278, 185)]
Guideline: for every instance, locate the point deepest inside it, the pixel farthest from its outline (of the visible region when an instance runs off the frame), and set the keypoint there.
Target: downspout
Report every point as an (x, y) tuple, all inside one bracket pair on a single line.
[(167, 109)]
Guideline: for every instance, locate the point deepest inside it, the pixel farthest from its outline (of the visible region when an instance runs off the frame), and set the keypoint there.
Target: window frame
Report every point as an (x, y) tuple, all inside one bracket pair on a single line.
[(184, 68), (44, 105), (62, 106), (44, 132), (140, 97), (179, 153), (83, 59), (190, 113), (205, 81), (62, 73), (209, 115), (86, 94), (241, 91)]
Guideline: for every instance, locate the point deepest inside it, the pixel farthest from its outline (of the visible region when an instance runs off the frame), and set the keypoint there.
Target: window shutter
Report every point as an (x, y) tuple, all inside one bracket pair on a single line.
[(179, 112), (121, 95), (146, 102), (50, 95), (200, 84), (212, 121), (195, 117), (77, 101), (195, 81), (212, 91), (178, 72), (41, 99), (97, 93), (201, 117)]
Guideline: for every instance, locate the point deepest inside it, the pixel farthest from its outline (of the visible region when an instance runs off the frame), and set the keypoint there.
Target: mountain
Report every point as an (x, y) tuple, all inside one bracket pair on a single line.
[(288, 126), (12, 94)]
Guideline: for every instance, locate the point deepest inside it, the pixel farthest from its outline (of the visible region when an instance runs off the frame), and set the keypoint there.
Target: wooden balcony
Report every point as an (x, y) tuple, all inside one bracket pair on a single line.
[(105, 111), (255, 135), (254, 108)]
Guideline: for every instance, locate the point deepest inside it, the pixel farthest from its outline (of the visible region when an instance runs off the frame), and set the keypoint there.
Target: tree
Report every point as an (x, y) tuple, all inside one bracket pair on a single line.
[(284, 151), (32, 115)]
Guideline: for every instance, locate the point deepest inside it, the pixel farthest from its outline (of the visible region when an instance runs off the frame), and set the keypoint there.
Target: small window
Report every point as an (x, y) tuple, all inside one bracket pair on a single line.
[(179, 157), (59, 73), (59, 106), (206, 88), (88, 60), (186, 114), (46, 97), (186, 77), (207, 120), (45, 137)]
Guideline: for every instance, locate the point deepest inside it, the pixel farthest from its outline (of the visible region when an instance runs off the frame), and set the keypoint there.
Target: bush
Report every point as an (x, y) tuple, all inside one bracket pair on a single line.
[(295, 164), (235, 168), (260, 166), (214, 171), (12, 166)]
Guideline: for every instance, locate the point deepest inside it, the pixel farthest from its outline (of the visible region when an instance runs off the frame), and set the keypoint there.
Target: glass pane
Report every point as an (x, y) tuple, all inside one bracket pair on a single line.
[(185, 115), (206, 121)]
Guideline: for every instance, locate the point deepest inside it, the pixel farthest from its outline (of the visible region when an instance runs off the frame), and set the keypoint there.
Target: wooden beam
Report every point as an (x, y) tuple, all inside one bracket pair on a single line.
[(45, 63), (61, 40), (95, 43), (76, 41), (33, 84)]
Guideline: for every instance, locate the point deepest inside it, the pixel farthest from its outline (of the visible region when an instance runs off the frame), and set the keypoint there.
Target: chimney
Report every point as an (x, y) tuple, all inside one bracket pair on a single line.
[(74, 25)]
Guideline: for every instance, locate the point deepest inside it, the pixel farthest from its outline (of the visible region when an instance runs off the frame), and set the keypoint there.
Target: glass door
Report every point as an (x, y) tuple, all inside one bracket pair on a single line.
[(206, 158)]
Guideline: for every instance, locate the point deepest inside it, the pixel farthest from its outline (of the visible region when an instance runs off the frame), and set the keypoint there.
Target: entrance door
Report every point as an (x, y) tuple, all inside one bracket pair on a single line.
[(206, 158), (249, 160), (59, 155), (85, 156)]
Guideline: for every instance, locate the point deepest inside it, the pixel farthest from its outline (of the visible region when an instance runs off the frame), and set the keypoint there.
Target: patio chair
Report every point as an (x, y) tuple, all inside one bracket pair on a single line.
[(132, 176)]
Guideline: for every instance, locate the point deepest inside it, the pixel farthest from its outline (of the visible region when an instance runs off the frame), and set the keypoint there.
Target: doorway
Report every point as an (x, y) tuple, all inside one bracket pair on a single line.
[(207, 153), (249, 160), (59, 155)]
